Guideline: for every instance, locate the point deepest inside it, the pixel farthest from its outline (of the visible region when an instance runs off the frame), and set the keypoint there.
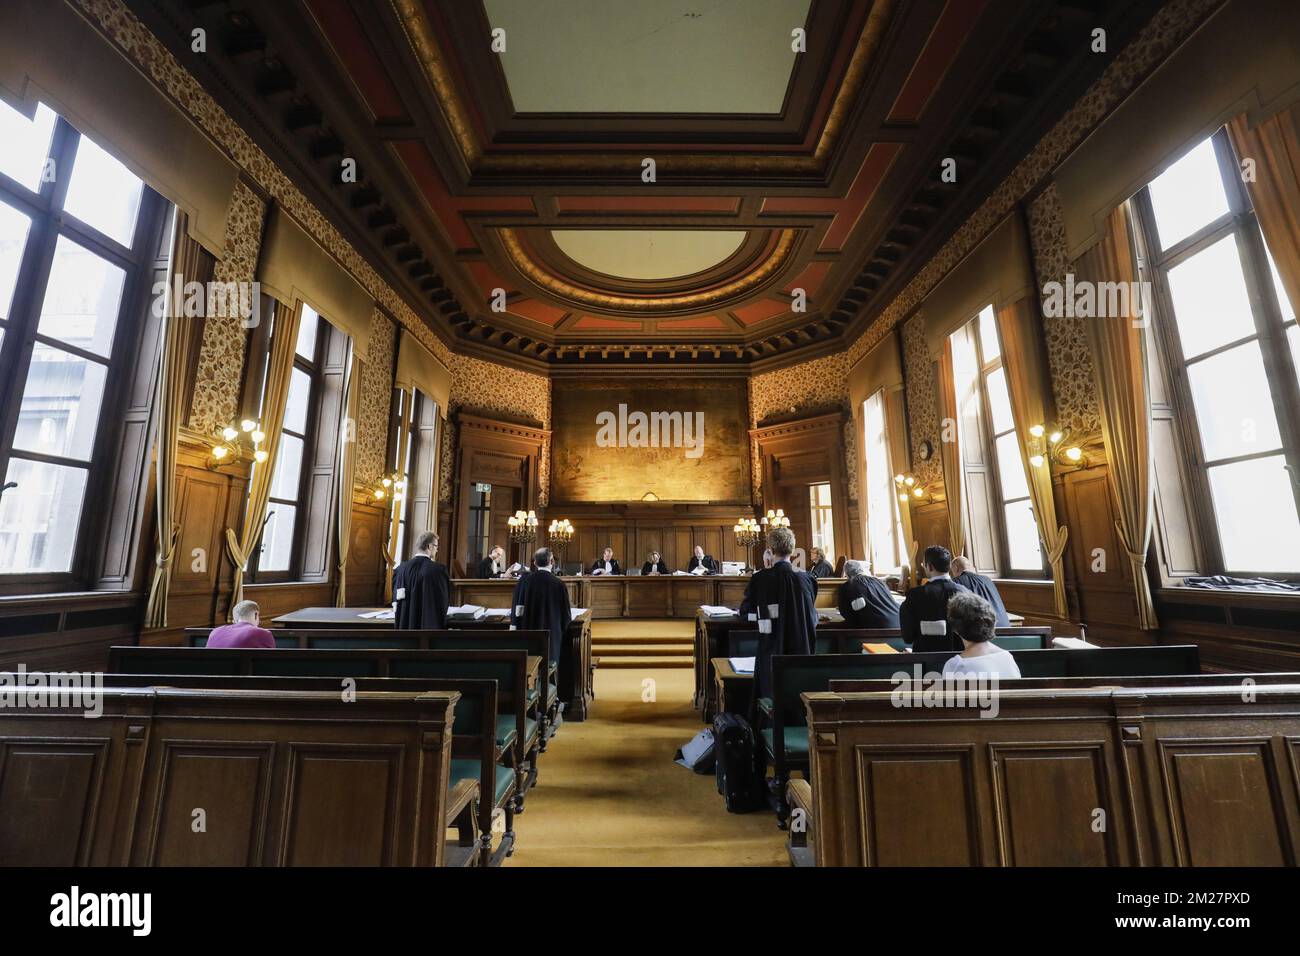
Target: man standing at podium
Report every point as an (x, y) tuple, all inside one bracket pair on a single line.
[(421, 588), (541, 602)]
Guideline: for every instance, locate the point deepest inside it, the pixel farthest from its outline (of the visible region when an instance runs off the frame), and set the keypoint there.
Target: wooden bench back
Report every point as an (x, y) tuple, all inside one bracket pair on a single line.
[(283, 778), (1192, 774)]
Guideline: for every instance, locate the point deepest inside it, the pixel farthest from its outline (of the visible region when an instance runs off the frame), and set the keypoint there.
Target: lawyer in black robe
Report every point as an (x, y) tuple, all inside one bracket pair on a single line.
[(866, 601), (650, 567), (983, 585), (541, 603), (929, 602), (784, 601), (421, 593)]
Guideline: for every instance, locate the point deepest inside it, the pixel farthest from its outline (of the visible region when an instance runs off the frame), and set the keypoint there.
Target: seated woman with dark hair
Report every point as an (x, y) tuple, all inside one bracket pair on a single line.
[(972, 618)]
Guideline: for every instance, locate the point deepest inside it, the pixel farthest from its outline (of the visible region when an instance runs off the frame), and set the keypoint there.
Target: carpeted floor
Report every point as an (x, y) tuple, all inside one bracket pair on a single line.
[(609, 793)]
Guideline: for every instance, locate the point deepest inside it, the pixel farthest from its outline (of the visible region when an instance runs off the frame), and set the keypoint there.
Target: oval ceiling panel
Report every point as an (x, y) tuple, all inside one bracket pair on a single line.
[(646, 254)]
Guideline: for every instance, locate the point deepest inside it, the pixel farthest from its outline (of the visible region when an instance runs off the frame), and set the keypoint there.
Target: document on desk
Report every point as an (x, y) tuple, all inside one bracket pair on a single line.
[(577, 612), (742, 665), (387, 614), (714, 610)]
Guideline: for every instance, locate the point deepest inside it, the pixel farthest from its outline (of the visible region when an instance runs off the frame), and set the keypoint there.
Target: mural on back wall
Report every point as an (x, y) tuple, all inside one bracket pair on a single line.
[(652, 441)]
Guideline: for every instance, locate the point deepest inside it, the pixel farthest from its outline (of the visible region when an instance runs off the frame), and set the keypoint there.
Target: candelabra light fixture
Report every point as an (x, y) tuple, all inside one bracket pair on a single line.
[(748, 533), (239, 441), (390, 488), (523, 527), (559, 533), (774, 519), (1047, 443), (910, 488)]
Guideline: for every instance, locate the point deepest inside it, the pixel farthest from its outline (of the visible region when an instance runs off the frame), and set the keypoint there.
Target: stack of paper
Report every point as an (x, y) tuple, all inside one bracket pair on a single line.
[(742, 665), (578, 612), (714, 610), (497, 612), (466, 612), (386, 614)]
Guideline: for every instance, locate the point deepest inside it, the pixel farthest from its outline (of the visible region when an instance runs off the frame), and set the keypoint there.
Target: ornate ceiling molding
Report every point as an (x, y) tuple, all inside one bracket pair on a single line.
[(748, 283), (422, 37)]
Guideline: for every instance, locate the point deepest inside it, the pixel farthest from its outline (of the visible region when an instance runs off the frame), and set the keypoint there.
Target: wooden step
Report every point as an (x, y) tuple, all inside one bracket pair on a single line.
[(642, 650), (646, 662)]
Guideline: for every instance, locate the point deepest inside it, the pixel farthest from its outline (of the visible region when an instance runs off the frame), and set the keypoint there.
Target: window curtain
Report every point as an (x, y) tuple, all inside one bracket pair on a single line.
[(1120, 365), (189, 263), (279, 368), (896, 429), (1274, 145), (347, 474), (950, 451), (1028, 385)]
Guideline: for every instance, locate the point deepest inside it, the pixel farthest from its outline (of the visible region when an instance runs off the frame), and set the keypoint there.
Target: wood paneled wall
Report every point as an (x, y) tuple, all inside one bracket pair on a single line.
[(634, 530)]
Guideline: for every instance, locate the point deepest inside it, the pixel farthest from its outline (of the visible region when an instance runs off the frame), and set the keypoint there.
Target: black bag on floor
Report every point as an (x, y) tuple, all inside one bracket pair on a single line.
[(739, 780)]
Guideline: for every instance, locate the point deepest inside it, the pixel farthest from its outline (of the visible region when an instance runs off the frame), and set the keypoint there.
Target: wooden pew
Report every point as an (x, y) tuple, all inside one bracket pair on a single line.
[(475, 754), (575, 672), (535, 643), (1196, 775), (786, 737), (282, 778), (510, 669)]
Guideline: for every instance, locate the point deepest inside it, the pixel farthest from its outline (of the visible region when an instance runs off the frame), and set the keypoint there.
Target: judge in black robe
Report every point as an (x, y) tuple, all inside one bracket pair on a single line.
[(784, 602), (541, 603), (929, 602), (701, 560), (821, 568), (491, 566), (421, 589), (964, 573), (865, 601), (655, 565), (606, 564)]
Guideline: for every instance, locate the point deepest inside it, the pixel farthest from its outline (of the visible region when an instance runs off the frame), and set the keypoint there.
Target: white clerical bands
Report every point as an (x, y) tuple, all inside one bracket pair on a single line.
[(519, 610), (858, 603), (934, 628), (765, 624), (401, 594)]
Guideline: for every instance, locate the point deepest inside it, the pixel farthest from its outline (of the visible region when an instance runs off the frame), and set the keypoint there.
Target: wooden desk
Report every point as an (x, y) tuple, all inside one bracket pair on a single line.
[(711, 642), (322, 617), (634, 596), (574, 675), (733, 692)]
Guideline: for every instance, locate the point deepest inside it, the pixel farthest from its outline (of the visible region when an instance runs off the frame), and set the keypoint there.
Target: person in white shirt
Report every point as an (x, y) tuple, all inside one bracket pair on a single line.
[(973, 619)]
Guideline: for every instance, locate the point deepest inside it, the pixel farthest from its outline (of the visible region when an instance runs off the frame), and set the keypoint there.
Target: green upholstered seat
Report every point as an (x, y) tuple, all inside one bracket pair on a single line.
[(1018, 642), (534, 692), (765, 705), (506, 729), (796, 742), (465, 769)]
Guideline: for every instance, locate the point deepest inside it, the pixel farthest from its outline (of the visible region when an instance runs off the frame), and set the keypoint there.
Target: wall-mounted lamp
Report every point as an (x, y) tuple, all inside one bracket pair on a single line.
[(238, 442), (910, 489), (1048, 443), (389, 488)]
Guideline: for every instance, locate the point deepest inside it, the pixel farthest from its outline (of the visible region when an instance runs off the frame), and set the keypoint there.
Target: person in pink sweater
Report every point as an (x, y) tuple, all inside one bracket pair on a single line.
[(246, 631)]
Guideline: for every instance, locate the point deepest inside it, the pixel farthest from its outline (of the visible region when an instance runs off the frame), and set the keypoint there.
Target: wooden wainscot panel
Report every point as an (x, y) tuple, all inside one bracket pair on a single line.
[(354, 789), (50, 791), (1212, 787), (1190, 775), (917, 805), (1053, 804)]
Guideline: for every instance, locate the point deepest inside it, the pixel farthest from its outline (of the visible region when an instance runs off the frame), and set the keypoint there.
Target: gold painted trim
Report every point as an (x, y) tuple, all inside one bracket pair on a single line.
[(414, 22), (708, 299)]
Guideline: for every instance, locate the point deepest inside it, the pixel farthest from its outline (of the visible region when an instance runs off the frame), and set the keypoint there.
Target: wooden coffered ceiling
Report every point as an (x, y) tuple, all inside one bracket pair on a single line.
[(477, 183)]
